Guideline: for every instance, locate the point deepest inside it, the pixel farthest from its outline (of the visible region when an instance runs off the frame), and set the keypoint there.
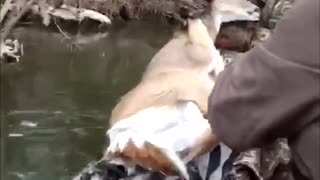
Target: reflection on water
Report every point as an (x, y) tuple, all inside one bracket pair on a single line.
[(55, 103)]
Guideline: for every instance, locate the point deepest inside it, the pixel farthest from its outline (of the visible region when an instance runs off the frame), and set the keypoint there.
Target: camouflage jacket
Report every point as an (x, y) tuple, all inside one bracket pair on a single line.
[(273, 11)]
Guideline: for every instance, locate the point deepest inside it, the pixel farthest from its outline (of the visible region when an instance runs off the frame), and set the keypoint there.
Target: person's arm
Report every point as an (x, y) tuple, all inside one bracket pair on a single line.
[(272, 90)]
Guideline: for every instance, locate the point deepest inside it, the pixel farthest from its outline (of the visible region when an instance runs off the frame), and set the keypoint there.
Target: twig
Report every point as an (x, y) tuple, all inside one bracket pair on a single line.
[(60, 30), (64, 34)]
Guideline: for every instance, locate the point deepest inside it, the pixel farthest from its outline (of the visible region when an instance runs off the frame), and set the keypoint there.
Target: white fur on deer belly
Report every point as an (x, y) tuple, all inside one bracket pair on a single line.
[(173, 129)]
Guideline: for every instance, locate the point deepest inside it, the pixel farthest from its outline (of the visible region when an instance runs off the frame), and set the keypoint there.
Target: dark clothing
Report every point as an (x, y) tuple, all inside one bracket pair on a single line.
[(273, 91)]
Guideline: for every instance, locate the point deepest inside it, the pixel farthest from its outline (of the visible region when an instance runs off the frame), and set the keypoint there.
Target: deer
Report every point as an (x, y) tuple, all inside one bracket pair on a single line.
[(161, 124)]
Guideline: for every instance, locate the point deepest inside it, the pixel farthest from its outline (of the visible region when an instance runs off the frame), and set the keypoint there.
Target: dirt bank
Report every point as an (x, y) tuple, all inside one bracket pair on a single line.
[(52, 12), (136, 8)]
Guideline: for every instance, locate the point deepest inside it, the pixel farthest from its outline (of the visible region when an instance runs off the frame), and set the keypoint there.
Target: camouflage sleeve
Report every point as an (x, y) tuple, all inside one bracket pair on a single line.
[(274, 10), (271, 91)]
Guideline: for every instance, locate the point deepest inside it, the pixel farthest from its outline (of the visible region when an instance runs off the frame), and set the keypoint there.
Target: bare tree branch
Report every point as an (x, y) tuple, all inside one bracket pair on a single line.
[(4, 9), (14, 19)]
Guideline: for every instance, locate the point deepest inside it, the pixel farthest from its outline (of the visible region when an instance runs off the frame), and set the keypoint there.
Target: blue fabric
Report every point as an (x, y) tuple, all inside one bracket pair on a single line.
[(214, 161)]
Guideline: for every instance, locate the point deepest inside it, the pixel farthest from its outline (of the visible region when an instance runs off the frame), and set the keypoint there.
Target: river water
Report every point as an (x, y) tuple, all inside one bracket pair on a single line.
[(56, 101)]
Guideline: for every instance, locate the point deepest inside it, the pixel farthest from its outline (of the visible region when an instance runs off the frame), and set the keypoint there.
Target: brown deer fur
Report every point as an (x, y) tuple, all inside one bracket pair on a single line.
[(178, 72)]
